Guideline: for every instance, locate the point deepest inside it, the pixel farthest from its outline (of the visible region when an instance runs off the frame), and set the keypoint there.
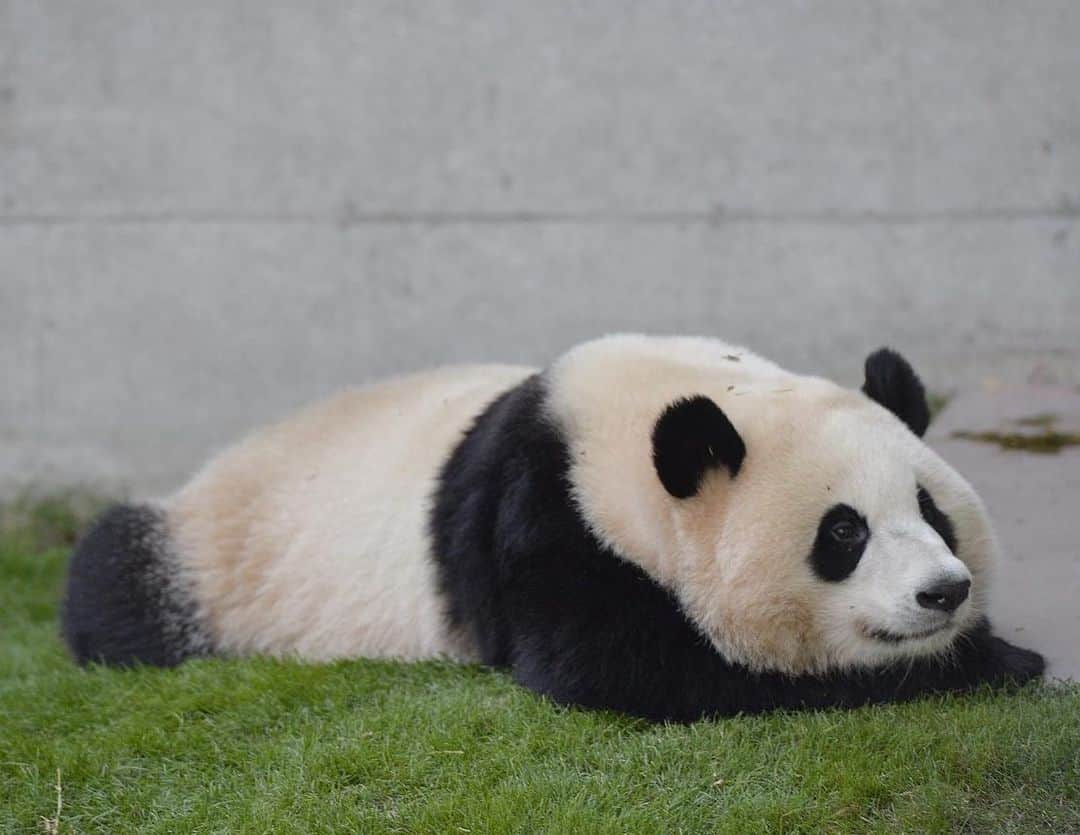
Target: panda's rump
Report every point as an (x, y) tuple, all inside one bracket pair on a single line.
[(311, 537)]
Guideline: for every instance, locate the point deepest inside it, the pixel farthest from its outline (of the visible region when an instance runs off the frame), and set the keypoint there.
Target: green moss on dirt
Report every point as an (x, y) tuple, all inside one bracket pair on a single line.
[(1048, 441)]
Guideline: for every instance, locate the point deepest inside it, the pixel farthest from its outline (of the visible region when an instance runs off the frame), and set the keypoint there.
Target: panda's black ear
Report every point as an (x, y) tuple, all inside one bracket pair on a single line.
[(891, 381), (692, 436)]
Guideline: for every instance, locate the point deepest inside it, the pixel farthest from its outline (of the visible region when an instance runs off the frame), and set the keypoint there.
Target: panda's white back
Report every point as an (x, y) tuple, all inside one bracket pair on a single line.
[(311, 536)]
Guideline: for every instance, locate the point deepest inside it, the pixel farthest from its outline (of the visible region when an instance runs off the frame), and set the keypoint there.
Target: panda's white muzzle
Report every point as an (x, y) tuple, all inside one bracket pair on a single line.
[(930, 588)]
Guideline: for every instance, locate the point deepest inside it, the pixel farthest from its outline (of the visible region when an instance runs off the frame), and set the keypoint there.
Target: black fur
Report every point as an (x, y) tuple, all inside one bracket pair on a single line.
[(891, 381), (120, 607), (835, 558), (539, 594), (692, 436), (936, 519)]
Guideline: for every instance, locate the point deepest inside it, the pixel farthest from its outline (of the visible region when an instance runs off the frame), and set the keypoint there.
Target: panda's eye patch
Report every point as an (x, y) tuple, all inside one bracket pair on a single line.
[(841, 539), (935, 518)]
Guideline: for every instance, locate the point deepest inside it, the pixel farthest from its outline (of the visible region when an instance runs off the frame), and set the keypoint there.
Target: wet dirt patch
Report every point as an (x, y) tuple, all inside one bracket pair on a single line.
[(1048, 440)]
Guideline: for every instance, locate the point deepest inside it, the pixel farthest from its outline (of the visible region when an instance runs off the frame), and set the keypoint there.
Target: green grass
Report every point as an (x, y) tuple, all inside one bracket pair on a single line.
[(266, 746)]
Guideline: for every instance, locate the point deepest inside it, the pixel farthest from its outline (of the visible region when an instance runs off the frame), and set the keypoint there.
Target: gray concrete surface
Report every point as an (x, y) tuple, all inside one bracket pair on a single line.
[(1035, 502), (212, 212)]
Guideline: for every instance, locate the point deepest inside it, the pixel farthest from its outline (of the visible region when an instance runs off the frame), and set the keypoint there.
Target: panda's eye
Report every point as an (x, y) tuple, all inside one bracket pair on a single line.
[(845, 532)]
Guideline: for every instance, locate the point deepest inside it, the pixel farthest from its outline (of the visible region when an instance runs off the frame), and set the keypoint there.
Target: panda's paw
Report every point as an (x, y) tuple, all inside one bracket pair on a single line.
[(1014, 663)]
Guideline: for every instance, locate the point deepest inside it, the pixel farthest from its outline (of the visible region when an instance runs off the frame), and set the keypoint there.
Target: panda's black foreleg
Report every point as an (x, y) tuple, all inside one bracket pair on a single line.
[(980, 657), (641, 671), (977, 658)]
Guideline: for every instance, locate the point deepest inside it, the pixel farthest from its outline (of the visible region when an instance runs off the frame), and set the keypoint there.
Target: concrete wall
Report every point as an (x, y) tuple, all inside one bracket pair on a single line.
[(213, 211)]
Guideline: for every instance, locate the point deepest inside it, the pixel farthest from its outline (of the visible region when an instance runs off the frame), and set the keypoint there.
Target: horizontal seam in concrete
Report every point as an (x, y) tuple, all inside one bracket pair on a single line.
[(350, 218)]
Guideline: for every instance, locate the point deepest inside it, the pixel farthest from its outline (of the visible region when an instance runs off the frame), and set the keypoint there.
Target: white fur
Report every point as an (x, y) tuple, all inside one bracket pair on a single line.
[(310, 538)]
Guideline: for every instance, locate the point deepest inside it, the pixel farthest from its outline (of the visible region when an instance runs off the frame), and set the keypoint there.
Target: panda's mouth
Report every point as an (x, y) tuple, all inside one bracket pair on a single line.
[(889, 637)]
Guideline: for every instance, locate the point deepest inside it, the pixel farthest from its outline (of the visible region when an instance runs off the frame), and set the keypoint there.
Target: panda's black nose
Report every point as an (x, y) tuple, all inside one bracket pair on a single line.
[(944, 597)]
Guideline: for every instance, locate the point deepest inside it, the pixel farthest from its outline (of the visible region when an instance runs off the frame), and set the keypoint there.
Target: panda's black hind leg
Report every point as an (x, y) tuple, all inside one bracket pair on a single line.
[(124, 604)]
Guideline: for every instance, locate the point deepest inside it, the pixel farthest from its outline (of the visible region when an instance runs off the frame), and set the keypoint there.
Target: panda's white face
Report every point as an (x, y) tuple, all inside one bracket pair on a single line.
[(798, 522), (909, 594), (883, 557), (842, 541)]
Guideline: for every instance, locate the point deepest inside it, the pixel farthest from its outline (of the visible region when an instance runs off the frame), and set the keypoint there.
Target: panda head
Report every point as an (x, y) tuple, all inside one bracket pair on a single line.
[(821, 533), (804, 527)]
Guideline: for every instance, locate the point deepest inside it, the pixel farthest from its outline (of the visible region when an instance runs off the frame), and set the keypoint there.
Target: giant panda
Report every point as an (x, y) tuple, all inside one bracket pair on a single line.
[(668, 527)]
